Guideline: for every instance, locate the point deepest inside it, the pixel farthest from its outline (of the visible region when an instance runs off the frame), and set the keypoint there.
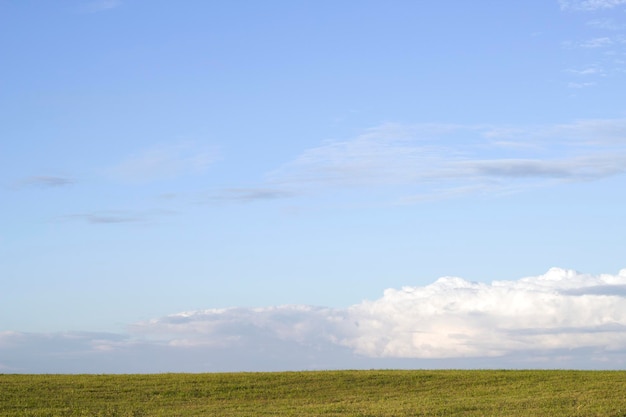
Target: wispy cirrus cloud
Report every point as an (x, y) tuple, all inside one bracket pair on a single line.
[(602, 42), (602, 46), (605, 24), (590, 5), (164, 161), (560, 319), (438, 158)]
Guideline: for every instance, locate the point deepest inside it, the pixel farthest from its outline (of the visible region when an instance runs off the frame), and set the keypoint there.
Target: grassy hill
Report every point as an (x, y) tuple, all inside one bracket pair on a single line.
[(326, 393)]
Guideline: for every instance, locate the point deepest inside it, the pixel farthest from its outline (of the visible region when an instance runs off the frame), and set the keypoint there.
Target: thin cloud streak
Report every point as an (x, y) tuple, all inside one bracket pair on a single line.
[(587, 71), (580, 85), (46, 181), (106, 217), (248, 195), (116, 216)]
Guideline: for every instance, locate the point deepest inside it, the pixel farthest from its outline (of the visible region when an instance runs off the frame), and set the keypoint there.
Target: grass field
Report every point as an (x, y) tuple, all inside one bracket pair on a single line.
[(327, 393)]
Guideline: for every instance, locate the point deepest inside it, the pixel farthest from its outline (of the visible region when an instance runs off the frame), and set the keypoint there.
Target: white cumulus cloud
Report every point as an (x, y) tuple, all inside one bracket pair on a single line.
[(451, 318), (562, 319)]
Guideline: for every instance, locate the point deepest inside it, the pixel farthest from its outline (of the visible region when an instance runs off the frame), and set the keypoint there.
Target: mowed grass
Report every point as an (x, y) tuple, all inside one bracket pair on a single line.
[(325, 393)]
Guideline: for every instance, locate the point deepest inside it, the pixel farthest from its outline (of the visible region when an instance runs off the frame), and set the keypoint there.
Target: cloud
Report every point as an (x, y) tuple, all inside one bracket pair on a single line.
[(451, 318), (597, 43), (234, 326), (586, 71), (248, 195), (590, 134), (607, 24), (46, 181), (562, 319), (435, 159), (162, 162), (580, 168), (600, 50), (117, 216), (107, 217), (580, 85), (589, 5), (90, 352)]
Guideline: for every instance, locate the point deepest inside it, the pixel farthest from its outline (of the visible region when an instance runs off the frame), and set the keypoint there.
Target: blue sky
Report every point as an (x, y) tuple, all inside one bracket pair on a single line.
[(233, 179)]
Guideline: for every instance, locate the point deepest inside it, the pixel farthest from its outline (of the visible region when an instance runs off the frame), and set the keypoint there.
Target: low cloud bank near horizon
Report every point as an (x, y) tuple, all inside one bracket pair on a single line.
[(561, 319)]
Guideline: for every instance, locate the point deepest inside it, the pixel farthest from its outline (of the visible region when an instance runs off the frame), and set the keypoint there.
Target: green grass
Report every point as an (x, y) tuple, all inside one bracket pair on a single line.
[(328, 393)]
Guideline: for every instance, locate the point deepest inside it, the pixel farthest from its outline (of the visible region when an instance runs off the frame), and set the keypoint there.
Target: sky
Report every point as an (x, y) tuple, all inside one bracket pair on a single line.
[(288, 185)]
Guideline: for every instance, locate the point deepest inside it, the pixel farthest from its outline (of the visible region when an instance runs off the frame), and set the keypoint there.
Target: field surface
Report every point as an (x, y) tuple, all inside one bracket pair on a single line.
[(327, 393)]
